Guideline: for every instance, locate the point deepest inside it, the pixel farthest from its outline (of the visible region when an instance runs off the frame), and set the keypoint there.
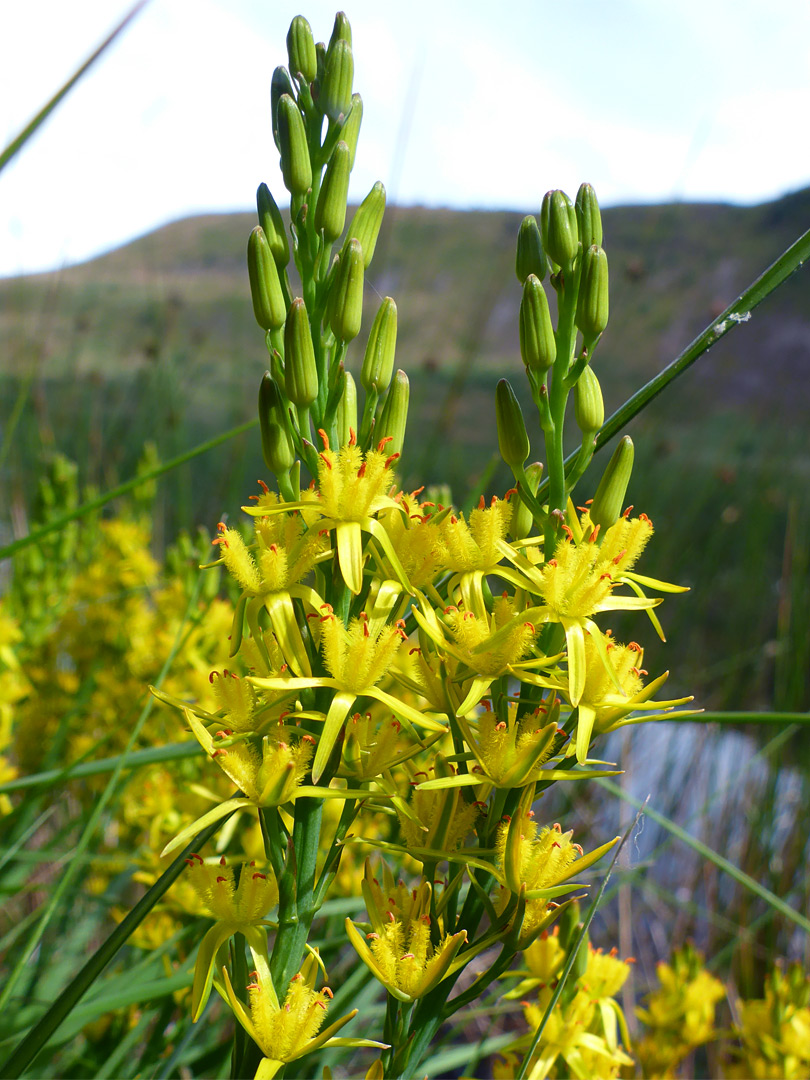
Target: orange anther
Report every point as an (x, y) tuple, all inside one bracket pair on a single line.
[(352, 437), (383, 442)]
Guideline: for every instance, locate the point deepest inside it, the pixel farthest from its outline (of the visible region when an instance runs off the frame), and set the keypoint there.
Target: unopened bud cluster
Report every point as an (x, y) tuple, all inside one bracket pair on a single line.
[(315, 121)]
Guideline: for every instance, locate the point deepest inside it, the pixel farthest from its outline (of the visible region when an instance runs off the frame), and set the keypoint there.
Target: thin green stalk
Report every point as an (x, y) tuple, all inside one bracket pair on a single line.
[(122, 489), (704, 850), (37, 1037), (735, 314), (30, 128)]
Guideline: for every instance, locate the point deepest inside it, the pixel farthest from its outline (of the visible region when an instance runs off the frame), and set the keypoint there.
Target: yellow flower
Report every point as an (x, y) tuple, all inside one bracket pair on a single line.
[(541, 859), (350, 493), (614, 689), (438, 818), (288, 1031), (568, 1035), (401, 954), (357, 658), (237, 908)]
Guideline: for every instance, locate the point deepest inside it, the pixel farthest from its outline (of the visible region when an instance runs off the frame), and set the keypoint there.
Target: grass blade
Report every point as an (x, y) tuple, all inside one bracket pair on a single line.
[(33, 125), (708, 853)]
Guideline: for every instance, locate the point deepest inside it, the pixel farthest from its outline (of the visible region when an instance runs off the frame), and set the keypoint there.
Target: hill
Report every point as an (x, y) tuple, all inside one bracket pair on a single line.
[(157, 341)]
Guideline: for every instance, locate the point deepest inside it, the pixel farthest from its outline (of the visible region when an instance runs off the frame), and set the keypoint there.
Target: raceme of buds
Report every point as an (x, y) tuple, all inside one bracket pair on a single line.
[(513, 441), (301, 49), (277, 445), (394, 417), (336, 86), (347, 410), (609, 498), (558, 226), (296, 167), (589, 408), (346, 298), (300, 372), (350, 131), (366, 223), (280, 84), (592, 302), (330, 213), (272, 222), (538, 346), (589, 217), (378, 362), (265, 286), (530, 259)]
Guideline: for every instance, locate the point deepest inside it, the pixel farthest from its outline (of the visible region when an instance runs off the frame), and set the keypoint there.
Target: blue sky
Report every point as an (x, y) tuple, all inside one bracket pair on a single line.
[(647, 100)]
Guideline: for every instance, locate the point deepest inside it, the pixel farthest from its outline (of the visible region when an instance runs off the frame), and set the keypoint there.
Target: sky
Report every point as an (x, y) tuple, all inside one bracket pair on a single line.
[(649, 101)]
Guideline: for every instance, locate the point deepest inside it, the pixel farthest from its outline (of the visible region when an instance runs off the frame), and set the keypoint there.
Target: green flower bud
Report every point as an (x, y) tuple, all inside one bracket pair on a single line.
[(330, 213), (335, 97), (301, 49), (538, 346), (342, 30), (378, 362), (589, 408), (347, 411), (272, 222), (296, 167), (351, 129), (558, 225), (609, 498), (394, 417), (265, 286), (280, 84), (366, 223), (522, 524), (346, 296), (513, 442), (592, 302), (300, 373), (589, 218), (531, 259), (277, 445)]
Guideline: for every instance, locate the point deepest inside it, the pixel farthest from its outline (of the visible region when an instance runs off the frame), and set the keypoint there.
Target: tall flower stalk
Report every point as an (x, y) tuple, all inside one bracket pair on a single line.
[(431, 673)]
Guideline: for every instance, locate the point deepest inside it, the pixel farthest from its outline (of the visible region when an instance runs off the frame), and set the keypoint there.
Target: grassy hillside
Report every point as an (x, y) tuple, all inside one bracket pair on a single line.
[(157, 341)]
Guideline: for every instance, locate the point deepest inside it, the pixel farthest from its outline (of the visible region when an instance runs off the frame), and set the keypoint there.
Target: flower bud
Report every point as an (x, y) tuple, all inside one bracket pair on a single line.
[(265, 286), (609, 499), (394, 417), (522, 524), (589, 218), (513, 442), (342, 30), (296, 167), (592, 302), (538, 346), (366, 223), (351, 129), (280, 84), (300, 372), (301, 49), (347, 410), (272, 222), (558, 224), (277, 446), (378, 362), (589, 408), (335, 97), (531, 259), (346, 296), (330, 213)]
